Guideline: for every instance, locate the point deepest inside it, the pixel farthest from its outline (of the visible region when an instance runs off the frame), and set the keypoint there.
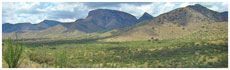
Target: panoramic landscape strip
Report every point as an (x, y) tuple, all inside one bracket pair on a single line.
[(115, 35)]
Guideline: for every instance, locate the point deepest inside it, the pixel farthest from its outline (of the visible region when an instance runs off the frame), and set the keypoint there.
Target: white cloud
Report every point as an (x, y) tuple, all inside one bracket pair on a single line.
[(19, 12), (66, 20), (35, 12), (216, 6), (153, 9), (184, 4)]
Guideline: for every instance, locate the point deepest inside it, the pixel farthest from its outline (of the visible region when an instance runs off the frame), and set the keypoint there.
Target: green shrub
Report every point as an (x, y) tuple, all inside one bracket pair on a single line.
[(12, 52), (61, 59), (41, 56)]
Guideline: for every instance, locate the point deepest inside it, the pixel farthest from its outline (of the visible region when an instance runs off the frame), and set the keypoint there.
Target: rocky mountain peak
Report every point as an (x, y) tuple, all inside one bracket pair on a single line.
[(104, 20), (144, 17), (212, 15)]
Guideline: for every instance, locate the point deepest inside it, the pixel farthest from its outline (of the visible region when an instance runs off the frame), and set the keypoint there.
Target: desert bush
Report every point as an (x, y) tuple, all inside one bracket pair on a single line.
[(61, 59), (41, 56), (12, 52)]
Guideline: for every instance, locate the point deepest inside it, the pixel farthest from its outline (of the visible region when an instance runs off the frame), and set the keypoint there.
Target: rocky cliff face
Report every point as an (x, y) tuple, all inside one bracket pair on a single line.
[(104, 20)]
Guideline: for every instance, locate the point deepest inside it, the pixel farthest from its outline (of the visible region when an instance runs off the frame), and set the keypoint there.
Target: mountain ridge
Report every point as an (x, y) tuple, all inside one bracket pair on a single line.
[(25, 27), (176, 23)]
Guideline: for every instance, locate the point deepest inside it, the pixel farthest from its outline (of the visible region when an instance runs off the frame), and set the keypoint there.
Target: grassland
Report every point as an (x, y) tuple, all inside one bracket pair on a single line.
[(205, 49)]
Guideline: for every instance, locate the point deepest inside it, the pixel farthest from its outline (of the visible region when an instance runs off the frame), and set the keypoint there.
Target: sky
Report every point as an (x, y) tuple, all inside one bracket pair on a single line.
[(35, 12)]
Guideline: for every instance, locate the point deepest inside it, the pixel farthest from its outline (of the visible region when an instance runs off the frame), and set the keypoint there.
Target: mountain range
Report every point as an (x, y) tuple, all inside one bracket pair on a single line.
[(123, 26), (25, 27), (97, 20)]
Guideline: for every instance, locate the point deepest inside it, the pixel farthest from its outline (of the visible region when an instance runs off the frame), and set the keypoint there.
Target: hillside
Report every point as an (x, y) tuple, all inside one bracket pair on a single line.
[(176, 23), (56, 32), (225, 14)]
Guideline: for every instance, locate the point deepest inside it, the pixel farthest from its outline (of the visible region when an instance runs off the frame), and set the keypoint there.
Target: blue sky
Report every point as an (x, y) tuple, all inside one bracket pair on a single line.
[(35, 12)]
